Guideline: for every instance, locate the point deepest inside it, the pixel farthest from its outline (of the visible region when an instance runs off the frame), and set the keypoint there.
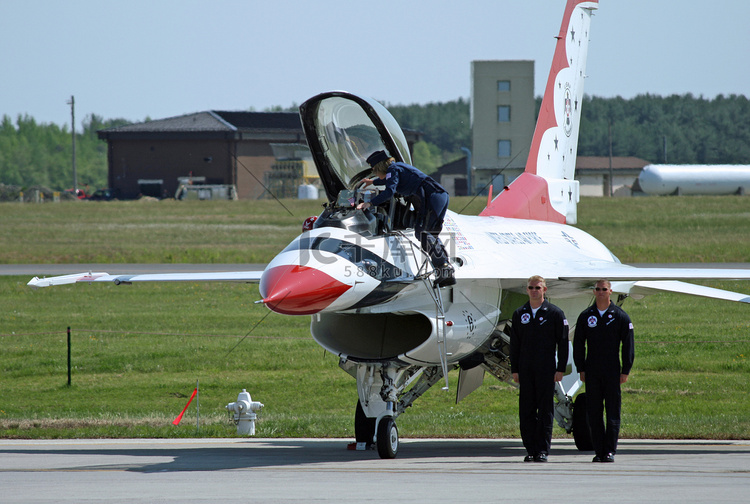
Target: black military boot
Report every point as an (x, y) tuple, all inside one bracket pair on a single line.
[(444, 276)]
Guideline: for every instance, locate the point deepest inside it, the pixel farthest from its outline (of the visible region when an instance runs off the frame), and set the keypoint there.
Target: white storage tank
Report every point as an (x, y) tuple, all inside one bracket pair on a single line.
[(307, 191), (694, 179)]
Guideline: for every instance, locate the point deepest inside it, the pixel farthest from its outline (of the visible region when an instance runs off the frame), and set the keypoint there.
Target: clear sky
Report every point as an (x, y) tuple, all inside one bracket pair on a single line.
[(161, 58)]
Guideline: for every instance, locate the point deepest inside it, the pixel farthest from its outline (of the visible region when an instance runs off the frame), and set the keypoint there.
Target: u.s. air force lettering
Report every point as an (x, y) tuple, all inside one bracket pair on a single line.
[(516, 238)]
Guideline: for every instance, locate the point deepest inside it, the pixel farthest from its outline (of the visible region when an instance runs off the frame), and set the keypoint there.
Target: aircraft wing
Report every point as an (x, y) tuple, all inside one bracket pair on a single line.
[(638, 282), (623, 272), (219, 276), (568, 279), (642, 288)]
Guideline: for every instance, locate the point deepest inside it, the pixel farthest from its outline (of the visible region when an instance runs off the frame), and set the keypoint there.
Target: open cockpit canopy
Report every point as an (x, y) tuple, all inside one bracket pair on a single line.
[(342, 130)]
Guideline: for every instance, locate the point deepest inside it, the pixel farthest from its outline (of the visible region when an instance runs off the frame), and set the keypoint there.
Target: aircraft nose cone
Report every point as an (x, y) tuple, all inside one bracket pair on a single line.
[(299, 290)]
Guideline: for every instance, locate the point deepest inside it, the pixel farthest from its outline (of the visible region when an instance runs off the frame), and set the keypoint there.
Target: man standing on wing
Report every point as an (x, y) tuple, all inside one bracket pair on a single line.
[(431, 199)]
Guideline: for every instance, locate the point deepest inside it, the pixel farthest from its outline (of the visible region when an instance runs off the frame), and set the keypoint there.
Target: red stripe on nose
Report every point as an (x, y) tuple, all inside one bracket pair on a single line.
[(299, 290)]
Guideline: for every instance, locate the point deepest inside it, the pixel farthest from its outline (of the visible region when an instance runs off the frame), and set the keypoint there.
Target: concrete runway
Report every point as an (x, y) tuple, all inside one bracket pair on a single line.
[(323, 470)]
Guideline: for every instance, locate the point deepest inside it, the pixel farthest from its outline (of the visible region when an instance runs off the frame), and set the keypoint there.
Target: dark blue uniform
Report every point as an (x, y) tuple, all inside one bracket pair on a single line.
[(534, 342), (406, 180), (604, 348)]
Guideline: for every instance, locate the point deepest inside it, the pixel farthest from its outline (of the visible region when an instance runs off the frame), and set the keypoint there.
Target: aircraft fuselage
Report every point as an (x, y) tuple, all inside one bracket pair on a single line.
[(371, 298)]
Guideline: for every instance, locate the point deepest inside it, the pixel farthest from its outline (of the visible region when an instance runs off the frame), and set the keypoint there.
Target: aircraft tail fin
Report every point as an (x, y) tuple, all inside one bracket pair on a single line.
[(546, 190)]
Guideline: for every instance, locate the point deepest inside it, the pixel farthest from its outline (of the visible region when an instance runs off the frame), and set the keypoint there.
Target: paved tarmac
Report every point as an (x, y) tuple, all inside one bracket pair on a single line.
[(323, 470)]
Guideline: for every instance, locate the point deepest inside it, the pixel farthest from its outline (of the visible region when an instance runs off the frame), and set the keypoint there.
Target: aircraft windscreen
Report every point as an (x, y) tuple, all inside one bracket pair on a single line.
[(348, 136)]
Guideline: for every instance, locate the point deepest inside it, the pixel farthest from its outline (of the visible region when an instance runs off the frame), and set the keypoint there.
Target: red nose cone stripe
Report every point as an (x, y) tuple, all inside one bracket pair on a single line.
[(299, 290)]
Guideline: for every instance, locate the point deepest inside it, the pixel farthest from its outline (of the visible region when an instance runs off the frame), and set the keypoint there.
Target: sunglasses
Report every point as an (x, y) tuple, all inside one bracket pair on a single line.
[(535, 287), (598, 289)]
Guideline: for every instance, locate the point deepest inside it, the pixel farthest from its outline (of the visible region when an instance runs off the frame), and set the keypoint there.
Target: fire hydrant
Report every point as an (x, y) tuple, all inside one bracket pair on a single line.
[(244, 413)]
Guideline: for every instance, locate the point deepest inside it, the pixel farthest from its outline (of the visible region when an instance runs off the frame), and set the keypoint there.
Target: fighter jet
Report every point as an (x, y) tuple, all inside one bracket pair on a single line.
[(369, 288)]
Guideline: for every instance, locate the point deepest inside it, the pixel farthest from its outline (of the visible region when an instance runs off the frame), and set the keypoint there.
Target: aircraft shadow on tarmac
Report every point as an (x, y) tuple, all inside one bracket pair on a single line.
[(289, 452)]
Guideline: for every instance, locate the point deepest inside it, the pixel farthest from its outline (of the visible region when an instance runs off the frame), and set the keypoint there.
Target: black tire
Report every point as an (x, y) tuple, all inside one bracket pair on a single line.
[(364, 428), (387, 438), (581, 432)]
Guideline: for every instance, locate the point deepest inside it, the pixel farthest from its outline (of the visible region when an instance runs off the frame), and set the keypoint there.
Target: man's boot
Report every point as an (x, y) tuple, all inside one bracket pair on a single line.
[(444, 276)]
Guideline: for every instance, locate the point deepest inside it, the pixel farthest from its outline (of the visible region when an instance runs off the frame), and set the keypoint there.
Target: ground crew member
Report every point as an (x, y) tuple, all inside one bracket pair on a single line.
[(602, 330), (406, 180), (539, 331)]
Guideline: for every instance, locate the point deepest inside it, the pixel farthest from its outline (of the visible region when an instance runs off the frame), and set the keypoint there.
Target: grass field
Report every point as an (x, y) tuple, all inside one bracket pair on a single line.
[(687, 229), (137, 351)]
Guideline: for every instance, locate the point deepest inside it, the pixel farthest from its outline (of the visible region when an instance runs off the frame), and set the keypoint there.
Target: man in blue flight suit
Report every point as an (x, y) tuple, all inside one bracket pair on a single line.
[(406, 180), (538, 332), (601, 330)]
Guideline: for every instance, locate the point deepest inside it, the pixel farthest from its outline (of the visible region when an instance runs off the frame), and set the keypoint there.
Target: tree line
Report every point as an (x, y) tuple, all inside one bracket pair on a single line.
[(33, 154), (677, 129)]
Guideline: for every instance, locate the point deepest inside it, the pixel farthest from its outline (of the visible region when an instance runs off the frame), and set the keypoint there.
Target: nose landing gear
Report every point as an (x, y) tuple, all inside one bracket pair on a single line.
[(387, 440)]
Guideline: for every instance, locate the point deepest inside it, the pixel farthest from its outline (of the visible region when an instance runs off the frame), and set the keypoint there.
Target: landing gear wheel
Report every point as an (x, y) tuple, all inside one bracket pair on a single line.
[(364, 428), (387, 438), (581, 432)]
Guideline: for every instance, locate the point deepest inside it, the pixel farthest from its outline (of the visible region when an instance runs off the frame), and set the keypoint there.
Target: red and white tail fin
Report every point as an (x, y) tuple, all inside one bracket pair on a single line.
[(546, 190)]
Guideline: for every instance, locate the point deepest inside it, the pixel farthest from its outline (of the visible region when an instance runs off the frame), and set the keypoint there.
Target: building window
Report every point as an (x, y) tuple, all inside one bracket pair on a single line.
[(503, 148), (503, 85), (503, 113), (498, 181)]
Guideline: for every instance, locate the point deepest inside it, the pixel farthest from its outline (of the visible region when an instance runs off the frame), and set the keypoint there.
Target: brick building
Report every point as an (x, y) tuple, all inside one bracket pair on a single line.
[(233, 148)]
